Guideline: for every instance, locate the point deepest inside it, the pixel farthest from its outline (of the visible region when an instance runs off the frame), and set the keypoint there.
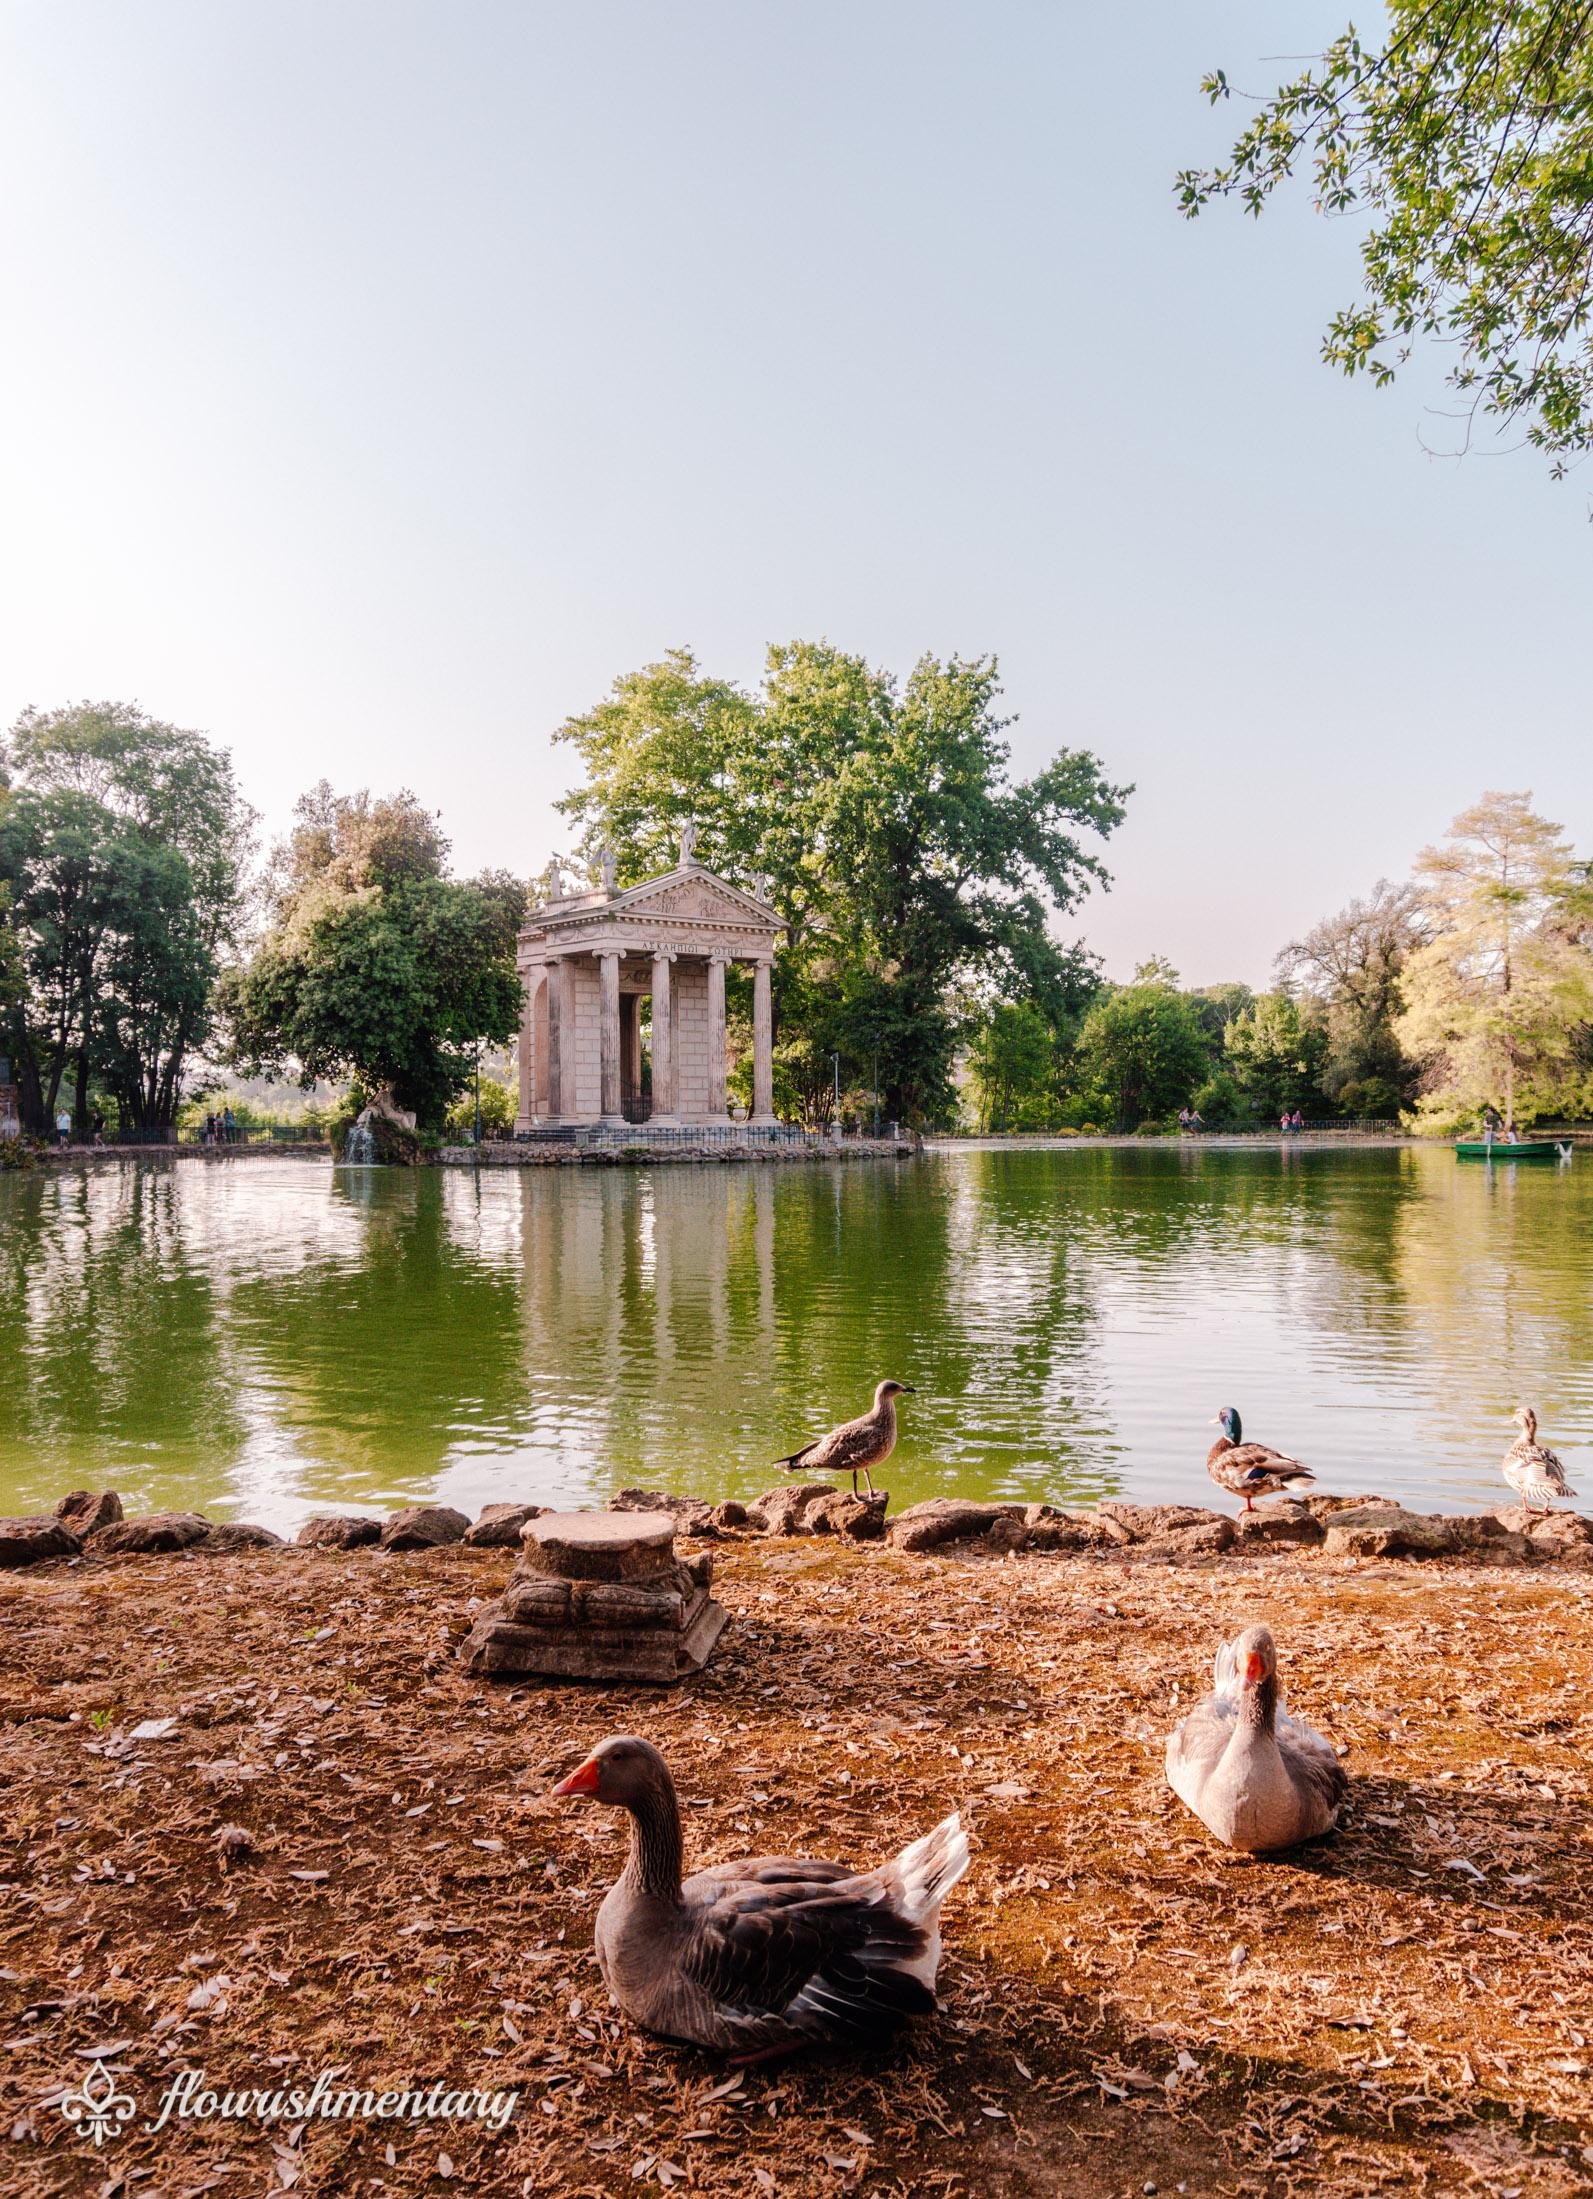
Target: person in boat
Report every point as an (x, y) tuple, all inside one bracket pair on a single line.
[(1491, 1123), (1512, 1134)]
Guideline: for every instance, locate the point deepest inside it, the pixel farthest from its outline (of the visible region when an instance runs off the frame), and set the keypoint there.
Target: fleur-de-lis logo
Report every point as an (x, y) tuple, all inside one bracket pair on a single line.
[(98, 2109)]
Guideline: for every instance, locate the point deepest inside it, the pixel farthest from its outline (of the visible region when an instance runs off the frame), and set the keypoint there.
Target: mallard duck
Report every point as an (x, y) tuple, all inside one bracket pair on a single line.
[(855, 1445), (1531, 1469), (1253, 1775), (1251, 1470), (764, 1956)]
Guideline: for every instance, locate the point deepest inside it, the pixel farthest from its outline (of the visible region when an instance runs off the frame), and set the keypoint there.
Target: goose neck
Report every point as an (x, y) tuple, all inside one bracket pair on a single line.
[(654, 1863)]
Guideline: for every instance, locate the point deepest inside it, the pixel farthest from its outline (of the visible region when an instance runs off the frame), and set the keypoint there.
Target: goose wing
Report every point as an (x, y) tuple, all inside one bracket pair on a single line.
[(1314, 1769), (784, 1949), (1197, 1743), (856, 1443)]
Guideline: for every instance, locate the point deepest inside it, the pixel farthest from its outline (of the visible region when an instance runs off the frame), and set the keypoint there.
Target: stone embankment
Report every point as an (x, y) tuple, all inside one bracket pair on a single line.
[(615, 1151), (86, 1524)]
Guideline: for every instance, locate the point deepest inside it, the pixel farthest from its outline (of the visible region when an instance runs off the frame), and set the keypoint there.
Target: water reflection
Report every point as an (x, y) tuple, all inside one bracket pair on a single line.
[(270, 1338)]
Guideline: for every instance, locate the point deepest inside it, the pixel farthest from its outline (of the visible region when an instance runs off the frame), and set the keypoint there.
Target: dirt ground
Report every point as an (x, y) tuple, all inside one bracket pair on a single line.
[(342, 1857)]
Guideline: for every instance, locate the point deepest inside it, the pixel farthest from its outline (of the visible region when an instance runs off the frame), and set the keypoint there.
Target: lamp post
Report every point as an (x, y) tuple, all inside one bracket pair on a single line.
[(478, 1095), (836, 1059)]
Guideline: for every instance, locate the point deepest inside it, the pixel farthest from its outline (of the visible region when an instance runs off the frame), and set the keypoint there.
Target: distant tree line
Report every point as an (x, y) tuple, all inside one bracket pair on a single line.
[(141, 954), (1469, 985)]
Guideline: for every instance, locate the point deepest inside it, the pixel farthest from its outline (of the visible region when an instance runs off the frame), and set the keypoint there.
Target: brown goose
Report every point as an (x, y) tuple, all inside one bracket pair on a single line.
[(855, 1445), (1532, 1469), (761, 1957), (1251, 1470), (1253, 1775)]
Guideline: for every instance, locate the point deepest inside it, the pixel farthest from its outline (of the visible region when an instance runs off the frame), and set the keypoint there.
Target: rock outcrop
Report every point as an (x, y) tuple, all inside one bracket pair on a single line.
[(29, 1541), (84, 1512), (149, 1534), (497, 1526), (340, 1531), (424, 1527)]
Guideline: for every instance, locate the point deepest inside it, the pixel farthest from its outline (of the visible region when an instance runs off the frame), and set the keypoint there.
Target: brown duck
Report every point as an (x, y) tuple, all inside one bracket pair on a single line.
[(761, 1957), (1253, 1775), (1251, 1470)]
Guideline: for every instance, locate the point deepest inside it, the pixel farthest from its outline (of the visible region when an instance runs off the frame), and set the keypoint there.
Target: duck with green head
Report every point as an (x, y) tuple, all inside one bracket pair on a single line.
[(1251, 1470)]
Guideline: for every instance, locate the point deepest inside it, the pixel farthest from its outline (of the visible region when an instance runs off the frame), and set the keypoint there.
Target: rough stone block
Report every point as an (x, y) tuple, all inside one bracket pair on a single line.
[(692, 1515), (1561, 1535), (784, 1510), (340, 1531), (84, 1512), (30, 1541), (1388, 1531), (1181, 1528), (1054, 1530), (242, 1534), (498, 1525), (1271, 1524), (946, 1519), (150, 1533), (424, 1527), (860, 1518)]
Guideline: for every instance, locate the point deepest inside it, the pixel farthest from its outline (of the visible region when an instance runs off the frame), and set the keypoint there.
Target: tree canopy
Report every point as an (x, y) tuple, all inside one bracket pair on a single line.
[(376, 964), (1466, 136), (909, 862), (1499, 999), (122, 846)]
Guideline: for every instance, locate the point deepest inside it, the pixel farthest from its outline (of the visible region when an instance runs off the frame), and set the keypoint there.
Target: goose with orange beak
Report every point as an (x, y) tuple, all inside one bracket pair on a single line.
[(1255, 1776), (761, 1957)]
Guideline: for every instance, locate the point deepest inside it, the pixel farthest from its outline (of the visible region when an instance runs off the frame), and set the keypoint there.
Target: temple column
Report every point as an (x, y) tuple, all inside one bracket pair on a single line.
[(716, 1035), (558, 1023), (762, 1043), (663, 1039), (526, 1113), (608, 1038)]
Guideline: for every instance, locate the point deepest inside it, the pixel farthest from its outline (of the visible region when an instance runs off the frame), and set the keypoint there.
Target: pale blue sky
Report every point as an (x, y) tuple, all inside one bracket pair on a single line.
[(379, 380)]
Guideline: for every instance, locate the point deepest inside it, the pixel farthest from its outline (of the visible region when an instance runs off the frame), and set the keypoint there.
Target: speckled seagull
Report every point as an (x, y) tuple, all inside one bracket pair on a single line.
[(857, 1445), (1532, 1470), (1251, 1470)]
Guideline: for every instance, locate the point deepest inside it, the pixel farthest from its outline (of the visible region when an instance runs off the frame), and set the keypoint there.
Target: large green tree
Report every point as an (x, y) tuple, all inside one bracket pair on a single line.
[(908, 860), (376, 964), (1142, 1047), (1463, 139), (1351, 964), (122, 844), (1499, 999), (1275, 1051)]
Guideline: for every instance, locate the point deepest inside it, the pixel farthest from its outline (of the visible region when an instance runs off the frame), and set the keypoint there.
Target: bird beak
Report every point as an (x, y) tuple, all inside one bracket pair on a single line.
[(1216, 1421), (908, 1390), (583, 1780), (1255, 1673)]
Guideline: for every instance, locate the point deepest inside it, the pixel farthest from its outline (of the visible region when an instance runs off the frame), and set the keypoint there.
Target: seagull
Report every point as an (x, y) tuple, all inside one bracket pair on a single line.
[(1532, 1470), (856, 1445)]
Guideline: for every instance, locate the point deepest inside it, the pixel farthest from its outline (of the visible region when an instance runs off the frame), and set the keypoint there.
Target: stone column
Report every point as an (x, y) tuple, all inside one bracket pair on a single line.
[(716, 1035), (608, 1037), (526, 1113), (762, 1043), (663, 1038), (557, 1003)]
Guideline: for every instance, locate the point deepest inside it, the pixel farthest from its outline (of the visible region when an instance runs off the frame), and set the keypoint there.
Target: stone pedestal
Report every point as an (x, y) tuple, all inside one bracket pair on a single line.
[(600, 1596)]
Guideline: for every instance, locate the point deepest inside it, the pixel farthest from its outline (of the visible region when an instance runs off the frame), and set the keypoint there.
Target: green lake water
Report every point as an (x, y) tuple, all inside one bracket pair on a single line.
[(262, 1339)]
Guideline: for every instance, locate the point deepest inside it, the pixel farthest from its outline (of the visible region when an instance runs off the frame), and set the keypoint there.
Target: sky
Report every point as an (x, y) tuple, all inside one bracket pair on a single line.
[(382, 380)]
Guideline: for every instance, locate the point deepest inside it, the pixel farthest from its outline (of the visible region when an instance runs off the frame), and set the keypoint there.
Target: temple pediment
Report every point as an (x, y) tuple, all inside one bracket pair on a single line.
[(694, 893)]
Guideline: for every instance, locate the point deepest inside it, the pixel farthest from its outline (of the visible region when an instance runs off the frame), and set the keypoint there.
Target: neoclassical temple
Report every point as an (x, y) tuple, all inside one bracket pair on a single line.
[(586, 962)]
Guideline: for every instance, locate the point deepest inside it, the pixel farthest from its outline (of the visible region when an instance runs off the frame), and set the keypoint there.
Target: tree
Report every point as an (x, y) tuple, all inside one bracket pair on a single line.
[(377, 965), (1142, 1046), (905, 857), (122, 842), (1275, 1054), (1498, 1000), (1352, 964), (1012, 1062), (1465, 135)]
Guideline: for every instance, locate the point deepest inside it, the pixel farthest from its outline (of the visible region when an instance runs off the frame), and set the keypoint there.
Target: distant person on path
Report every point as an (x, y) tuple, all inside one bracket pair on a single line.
[(1297, 1121), (229, 1132), (1183, 1120), (1283, 1123), (1195, 1122), (97, 1125), (63, 1127)]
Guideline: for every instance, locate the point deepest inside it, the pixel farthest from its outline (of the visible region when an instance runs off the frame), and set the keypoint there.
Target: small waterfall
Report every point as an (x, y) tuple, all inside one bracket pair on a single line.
[(359, 1147)]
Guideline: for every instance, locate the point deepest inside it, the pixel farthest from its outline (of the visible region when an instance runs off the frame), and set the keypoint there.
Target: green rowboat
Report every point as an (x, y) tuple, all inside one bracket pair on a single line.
[(1529, 1149)]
